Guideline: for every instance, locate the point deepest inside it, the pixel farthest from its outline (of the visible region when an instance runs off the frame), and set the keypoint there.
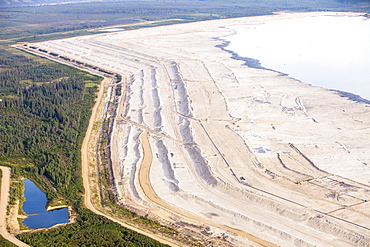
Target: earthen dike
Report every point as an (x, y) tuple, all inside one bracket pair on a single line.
[(247, 155)]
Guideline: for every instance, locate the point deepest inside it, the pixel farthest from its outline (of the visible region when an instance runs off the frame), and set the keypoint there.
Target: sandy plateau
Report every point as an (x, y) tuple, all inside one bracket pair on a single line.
[(249, 156)]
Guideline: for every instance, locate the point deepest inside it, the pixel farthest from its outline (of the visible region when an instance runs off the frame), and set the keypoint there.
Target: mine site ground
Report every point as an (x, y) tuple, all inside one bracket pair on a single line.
[(238, 155)]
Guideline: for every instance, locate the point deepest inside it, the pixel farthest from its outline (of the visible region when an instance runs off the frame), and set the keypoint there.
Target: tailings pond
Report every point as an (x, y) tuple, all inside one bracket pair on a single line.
[(34, 207), (332, 52)]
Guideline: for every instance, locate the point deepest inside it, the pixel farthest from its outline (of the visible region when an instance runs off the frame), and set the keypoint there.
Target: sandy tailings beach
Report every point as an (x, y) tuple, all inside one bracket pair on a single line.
[(241, 154)]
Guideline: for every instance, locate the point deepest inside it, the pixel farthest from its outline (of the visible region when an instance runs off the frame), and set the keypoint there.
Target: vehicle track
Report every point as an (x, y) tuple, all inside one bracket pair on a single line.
[(144, 180), (5, 186), (95, 117)]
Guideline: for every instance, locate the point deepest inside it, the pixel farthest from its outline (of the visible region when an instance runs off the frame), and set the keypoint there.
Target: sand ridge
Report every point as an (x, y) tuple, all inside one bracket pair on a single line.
[(242, 148)]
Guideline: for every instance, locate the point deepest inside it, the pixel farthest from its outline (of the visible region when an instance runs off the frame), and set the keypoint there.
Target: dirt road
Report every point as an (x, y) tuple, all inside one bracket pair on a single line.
[(264, 155), (85, 171), (5, 185), (144, 180)]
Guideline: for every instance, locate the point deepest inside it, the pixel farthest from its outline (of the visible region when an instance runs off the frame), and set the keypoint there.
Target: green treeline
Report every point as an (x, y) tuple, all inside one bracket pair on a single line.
[(89, 230), (44, 22), (44, 114), (6, 243)]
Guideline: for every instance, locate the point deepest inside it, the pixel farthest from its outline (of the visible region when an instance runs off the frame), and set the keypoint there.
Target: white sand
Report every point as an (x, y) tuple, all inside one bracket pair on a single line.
[(234, 148)]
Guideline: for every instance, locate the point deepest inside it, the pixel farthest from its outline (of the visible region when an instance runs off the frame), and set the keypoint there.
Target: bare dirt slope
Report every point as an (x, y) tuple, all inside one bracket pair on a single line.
[(87, 152), (251, 155)]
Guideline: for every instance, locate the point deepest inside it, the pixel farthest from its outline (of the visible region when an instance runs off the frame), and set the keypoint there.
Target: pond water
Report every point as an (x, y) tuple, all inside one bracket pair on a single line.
[(34, 207), (327, 51)]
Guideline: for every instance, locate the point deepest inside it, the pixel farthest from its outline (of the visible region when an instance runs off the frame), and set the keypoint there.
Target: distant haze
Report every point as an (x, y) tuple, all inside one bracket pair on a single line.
[(330, 52)]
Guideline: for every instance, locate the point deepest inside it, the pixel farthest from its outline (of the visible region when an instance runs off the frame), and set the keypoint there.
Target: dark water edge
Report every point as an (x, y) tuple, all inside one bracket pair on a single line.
[(35, 208), (250, 62), (255, 64), (351, 96)]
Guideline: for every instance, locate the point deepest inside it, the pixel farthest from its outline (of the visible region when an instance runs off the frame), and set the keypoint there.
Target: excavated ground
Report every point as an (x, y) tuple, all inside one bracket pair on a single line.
[(250, 155)]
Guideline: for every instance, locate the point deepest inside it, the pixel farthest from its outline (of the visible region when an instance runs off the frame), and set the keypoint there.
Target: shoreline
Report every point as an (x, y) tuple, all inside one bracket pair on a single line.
[(256, 63), (275, 149), (5, 188), (52, 208), (351, 96)]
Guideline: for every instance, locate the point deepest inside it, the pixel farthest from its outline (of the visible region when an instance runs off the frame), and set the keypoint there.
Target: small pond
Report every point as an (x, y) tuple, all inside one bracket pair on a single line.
[(34, 207)]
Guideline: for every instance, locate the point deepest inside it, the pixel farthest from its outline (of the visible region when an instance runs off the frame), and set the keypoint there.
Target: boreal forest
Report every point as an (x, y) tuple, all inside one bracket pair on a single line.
[(45, 108)]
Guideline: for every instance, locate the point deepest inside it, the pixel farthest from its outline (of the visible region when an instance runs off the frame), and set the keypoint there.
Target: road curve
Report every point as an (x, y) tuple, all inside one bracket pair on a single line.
[(144, 181), (5, 186), (85, 174)]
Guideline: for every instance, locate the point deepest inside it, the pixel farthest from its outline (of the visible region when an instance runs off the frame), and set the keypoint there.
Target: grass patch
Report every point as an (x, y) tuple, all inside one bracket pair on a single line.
[(91, 84)]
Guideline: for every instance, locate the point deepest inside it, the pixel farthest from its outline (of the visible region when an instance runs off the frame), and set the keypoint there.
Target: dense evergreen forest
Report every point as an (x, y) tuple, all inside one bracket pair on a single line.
[(43, 109), (44, 113), (89, 230), (44, 106), (42, 22), (6, 243)]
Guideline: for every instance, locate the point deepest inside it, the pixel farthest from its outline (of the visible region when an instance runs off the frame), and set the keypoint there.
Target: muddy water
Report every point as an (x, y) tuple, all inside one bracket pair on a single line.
[(326, 51)]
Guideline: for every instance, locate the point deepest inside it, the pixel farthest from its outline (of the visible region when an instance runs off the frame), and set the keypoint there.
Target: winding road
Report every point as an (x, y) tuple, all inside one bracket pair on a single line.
[(85, 173), (144, 180), (198, 134), (5, 186)]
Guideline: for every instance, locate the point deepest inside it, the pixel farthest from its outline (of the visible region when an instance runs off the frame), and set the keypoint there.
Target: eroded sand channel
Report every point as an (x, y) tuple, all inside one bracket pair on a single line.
[(237, 149)]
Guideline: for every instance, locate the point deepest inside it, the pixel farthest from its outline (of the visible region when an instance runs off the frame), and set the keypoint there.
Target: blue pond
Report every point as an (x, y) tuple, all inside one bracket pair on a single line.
[(34, 207)]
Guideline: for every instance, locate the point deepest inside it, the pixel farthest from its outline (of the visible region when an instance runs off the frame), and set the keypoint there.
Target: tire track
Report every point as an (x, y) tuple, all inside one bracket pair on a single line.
[(5, 186), (144, 181)]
